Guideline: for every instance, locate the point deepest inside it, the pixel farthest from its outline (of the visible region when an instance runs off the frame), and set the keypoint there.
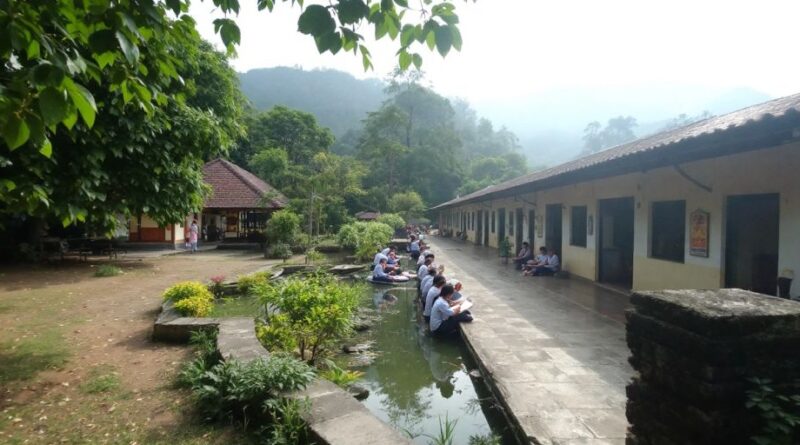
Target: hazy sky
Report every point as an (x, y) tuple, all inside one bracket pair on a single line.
[(514, 47)]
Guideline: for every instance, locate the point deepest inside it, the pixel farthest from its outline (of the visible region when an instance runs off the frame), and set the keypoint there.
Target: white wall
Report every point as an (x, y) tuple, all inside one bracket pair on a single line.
[(775, 170)]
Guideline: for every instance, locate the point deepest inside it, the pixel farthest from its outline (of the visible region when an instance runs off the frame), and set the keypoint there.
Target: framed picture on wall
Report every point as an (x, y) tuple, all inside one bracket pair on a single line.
[(699, 233)]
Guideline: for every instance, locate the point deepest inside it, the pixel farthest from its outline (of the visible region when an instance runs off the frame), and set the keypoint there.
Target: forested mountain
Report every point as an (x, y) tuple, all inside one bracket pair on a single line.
[(337, 99)]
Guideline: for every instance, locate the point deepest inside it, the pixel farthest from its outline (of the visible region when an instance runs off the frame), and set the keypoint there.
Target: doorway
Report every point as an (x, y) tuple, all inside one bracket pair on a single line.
[(479, 232), (552, 226), (615, 243), (751, 242), (501, 225), (519, 234), (531, 228)]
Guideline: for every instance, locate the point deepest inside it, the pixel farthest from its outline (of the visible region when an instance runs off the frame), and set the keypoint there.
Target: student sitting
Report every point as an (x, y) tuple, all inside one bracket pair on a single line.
[(551, 265), (426, 264), (438, 282), (414, 248), (379, 272), (540, 260), (523, 256), (426, 284), (425, 252), (446, 313)]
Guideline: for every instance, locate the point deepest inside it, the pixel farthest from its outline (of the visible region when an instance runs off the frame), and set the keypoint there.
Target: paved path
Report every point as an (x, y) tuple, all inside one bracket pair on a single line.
[(555, 348)]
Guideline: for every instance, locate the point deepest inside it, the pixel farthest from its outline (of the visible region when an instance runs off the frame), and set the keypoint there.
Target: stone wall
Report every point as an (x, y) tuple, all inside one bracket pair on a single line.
[(695, 351)]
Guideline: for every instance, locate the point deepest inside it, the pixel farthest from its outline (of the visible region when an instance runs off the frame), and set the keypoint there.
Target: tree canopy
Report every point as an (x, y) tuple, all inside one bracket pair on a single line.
[(92, 88)]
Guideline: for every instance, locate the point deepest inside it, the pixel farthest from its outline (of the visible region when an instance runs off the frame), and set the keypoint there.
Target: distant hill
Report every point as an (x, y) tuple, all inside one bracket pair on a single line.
[(550, 124), (338, 100)]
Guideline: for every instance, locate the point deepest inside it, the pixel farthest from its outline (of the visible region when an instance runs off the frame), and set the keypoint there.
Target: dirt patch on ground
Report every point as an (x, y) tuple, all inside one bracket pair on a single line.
[(77, 364)]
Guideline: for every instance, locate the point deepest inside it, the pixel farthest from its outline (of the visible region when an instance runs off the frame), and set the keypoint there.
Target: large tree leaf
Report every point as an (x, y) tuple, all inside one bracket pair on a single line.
[(15, 132), (83, 101), (130, 50), (316, 20), (351, 11), (53, 105)]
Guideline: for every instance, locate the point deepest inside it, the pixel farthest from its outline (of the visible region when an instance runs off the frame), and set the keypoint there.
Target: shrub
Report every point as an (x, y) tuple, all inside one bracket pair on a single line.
[(195, 306), (279, 251), (301, 240), (186, 289), (777, 410), (312, 256), (247, 283), (107, 271), (288, 426), (392, 220), (339, 376), (230, 389), (316, 310), (365, 237), (488, 439), (277, 335), (282, 226)]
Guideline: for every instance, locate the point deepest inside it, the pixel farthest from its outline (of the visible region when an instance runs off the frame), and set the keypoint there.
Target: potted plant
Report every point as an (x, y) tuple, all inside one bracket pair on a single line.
[(505, 249)]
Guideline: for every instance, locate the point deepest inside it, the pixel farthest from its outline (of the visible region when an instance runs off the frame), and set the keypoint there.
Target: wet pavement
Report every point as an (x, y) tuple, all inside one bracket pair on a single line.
[(554, 348)]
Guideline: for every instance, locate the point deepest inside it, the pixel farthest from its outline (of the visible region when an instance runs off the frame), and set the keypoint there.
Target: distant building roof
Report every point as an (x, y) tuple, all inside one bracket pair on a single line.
[(368, 216), (233, 187), (771, 123)]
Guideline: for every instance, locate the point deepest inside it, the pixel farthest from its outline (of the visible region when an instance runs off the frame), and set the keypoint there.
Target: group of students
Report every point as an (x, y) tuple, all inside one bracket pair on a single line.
[(443, 305), (545, 264), (440, 298), (386, 266)]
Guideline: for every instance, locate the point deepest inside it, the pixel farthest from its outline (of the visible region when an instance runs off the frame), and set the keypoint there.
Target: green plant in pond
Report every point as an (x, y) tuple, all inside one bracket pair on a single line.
[(246, 284), (487, 439), (393, 220), (288, 426), (280, 251), (365, 237), (317, 310), (778, 411), (107, 271), (446, 434), (339, 376), (313, 256), (278, 334)]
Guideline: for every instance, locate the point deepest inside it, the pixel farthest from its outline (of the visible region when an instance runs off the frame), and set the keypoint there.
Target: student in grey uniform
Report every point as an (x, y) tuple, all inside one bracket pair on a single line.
[(446, 313), (426, 284), (438, 282)]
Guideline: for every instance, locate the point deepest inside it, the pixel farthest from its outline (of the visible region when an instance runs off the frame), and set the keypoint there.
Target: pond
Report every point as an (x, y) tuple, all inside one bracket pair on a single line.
[(416, 381)]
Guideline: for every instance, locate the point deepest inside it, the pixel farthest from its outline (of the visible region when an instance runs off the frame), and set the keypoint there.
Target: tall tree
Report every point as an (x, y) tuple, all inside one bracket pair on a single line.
[(618, 130), (107, 75)]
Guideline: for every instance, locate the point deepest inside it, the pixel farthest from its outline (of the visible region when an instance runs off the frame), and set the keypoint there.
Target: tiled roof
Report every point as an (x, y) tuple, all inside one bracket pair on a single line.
[(233, 187), (656, 142)]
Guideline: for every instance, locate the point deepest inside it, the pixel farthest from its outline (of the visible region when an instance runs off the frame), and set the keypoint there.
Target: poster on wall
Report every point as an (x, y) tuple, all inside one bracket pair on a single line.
[(699, 232)]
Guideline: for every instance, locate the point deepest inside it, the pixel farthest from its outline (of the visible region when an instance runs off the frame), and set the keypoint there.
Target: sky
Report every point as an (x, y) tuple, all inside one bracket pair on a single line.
[(514, 48)]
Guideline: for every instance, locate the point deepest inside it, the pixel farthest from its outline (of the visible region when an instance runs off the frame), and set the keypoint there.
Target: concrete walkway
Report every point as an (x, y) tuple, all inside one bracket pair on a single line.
[(554, 348)]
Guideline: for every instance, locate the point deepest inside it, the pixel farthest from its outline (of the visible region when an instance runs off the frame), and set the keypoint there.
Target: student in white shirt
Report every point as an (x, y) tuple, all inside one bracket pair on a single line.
[(379, 272), (539, 260), (423, 270), (446, 313), (438, 282), (426, 284), (551, 266)]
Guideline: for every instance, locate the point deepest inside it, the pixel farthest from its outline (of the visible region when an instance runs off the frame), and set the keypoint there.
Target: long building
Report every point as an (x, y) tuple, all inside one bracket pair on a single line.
[(709, 205)]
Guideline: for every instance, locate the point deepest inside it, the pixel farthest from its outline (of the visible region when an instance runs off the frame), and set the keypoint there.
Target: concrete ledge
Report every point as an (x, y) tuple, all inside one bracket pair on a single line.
[(335, 417), (171, 326), (236, 340)]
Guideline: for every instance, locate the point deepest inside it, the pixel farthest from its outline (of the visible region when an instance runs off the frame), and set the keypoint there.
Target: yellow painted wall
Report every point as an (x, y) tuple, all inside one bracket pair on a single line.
[(774, 170)]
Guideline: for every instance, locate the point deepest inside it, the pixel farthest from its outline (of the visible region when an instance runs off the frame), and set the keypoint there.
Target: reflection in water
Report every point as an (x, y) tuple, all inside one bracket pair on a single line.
[(415, 380)]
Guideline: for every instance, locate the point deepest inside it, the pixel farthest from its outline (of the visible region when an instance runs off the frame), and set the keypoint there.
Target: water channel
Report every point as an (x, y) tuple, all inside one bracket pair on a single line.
[(417, 382)]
